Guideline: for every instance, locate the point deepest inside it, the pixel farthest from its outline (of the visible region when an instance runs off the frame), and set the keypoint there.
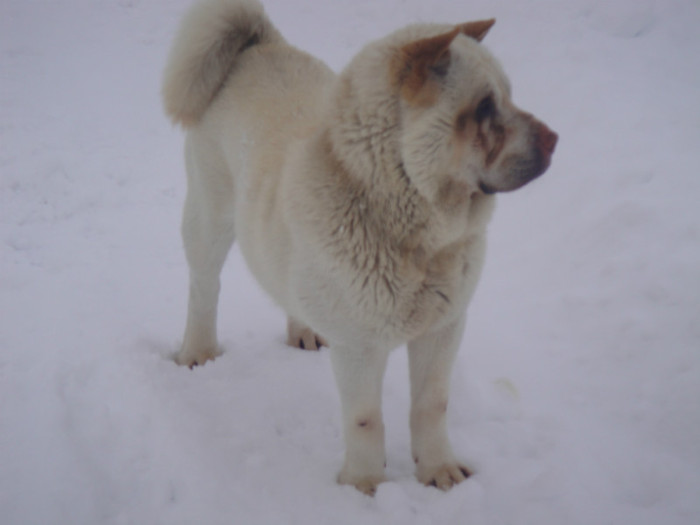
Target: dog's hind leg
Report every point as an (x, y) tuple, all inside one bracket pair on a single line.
[(208, 233), (301, 336)]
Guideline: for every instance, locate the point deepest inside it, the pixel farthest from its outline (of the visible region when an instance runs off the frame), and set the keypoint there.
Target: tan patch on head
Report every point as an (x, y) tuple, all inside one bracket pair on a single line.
[(491, 138), (417, 61), (488, 135)]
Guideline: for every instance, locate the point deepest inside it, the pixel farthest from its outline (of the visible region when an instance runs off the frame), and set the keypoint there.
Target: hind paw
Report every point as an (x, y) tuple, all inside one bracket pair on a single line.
[(301, 336)]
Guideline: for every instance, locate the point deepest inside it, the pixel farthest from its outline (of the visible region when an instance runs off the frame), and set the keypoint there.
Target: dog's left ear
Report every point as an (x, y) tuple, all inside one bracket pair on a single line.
[(421, 62), (477, 30)]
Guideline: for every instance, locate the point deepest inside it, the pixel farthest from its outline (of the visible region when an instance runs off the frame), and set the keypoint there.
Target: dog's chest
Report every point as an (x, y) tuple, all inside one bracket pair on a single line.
[(436, 286), (404, 292), (408, 286)]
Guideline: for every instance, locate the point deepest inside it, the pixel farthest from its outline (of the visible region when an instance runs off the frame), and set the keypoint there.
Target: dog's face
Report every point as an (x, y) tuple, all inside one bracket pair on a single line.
[(457, 117)]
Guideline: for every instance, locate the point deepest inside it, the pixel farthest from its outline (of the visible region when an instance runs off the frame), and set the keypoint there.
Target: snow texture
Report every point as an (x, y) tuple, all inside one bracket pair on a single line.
[(575, 396)]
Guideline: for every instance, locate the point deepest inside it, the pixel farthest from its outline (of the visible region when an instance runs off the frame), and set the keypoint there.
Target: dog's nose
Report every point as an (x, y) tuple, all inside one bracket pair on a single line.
[(546, 139)]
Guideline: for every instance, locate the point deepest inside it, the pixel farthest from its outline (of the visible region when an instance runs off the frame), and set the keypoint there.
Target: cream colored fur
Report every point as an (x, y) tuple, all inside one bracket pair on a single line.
[(360, 202)]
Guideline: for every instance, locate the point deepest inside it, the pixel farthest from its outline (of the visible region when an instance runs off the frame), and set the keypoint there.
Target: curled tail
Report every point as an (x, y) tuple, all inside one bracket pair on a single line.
[(212, 35)]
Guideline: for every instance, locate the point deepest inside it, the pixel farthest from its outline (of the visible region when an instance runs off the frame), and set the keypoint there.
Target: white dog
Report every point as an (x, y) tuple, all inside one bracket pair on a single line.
[(360, 201)]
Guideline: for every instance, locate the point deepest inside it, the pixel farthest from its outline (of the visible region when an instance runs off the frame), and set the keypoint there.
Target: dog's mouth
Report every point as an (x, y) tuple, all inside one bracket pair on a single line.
[(485, 188), (517, 172)]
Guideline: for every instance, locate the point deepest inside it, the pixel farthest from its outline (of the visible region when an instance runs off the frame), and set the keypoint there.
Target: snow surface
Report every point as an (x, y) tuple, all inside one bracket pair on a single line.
[(575, 396)]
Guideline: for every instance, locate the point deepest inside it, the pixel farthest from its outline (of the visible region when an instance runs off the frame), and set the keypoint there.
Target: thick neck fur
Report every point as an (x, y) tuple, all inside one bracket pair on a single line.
[(364, 140)]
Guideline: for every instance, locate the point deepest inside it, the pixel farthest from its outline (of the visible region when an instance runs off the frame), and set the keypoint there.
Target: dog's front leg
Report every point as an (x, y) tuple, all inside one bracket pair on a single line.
[(430, 358), (359, 373)]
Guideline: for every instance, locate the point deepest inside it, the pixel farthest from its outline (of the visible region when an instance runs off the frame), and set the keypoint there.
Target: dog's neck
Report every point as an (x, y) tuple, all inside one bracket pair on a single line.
[(388, 201), (375, 186), (362, 132), (363, 139)]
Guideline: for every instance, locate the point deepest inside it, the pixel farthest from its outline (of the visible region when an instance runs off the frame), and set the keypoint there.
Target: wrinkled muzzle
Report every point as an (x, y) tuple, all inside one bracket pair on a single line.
[(520, 167)]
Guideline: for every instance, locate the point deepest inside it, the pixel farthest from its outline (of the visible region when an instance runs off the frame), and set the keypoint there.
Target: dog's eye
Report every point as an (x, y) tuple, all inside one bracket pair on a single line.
[(485, 109)]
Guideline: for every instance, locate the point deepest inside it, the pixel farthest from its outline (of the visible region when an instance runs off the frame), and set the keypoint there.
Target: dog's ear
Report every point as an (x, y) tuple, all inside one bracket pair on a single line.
[(419, 63), (477, 30)]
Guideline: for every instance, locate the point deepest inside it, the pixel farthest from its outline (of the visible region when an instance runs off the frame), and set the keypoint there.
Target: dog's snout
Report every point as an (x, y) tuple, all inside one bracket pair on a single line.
[(546, 139)]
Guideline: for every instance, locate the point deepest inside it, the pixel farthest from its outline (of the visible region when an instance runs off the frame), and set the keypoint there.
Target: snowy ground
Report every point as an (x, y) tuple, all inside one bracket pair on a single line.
[(575, 397)]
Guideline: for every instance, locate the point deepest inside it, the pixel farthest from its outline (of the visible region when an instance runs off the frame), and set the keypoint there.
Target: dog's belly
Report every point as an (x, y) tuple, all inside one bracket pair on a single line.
[(271, 103)]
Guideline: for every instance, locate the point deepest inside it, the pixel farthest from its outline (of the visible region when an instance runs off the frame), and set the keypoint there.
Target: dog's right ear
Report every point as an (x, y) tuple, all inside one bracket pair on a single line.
[(477, 30), (419, 64)]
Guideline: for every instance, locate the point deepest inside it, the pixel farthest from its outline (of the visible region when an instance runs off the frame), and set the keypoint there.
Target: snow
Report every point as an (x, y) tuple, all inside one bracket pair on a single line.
[(575, 396)]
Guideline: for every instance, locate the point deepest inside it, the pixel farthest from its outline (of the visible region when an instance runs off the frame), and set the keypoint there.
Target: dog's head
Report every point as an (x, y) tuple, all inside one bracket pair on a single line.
[(457, 117), (433, 100)]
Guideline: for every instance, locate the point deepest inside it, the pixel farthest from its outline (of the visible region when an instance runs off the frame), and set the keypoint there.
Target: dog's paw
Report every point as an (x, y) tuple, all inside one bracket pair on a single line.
[(365, 484), (300, 336), (306, 340), (191, 359), (444, 476)]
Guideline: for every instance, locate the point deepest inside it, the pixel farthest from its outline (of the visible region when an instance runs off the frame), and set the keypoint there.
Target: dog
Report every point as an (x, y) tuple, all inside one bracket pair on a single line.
[(360, 201)]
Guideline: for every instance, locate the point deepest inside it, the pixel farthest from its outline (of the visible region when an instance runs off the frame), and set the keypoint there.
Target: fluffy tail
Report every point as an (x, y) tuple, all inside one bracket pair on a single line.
[(212, 35)]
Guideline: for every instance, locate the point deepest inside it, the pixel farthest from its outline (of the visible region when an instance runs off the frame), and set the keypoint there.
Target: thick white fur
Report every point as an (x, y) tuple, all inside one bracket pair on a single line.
[(353, 208)]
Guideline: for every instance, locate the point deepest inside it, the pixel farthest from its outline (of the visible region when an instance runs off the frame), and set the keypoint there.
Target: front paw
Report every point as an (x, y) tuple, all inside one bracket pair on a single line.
[(190, 359), (443, 476), (365, 484)]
